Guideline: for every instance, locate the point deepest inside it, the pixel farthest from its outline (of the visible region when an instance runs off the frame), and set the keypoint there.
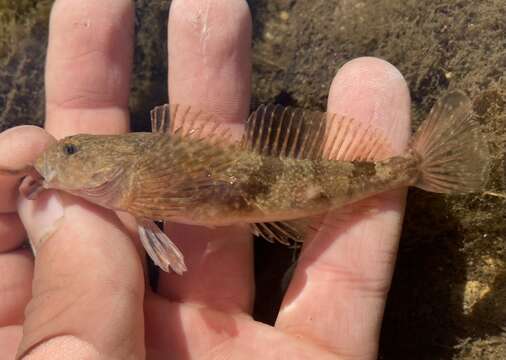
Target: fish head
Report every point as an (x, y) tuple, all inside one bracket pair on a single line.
[(80, 162)]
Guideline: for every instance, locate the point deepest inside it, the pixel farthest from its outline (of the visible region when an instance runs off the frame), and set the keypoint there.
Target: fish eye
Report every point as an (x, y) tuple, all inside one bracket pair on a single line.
[(69, 149)]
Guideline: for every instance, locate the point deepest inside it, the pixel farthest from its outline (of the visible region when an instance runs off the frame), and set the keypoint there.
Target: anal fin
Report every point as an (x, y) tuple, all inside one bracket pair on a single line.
[(160, 248), (284, 232)]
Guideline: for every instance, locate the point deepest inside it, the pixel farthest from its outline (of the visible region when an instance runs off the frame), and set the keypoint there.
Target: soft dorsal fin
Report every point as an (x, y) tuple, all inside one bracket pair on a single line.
[(274, 130), (189, 122)]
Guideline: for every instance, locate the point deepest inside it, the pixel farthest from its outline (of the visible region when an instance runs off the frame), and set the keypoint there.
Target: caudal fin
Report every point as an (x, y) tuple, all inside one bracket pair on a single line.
[(453, 151)]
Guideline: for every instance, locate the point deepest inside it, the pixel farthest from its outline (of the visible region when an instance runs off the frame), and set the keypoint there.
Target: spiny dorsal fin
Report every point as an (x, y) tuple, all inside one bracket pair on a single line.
[(273, 130), (189, 122)]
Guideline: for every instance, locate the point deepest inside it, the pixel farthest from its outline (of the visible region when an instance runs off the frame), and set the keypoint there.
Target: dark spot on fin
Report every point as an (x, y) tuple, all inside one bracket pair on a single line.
[(284, 232), (274, 130), (189, 122)]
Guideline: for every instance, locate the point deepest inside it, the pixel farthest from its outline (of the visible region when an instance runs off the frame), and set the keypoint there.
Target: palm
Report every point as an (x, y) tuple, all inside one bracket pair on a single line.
[(335, 300)]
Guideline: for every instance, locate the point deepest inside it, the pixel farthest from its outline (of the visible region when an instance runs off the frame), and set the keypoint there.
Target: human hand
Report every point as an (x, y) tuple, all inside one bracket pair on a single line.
[(88, 298)]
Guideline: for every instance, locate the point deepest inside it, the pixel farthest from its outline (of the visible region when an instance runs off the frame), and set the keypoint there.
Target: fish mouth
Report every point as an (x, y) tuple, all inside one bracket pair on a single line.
[(47, 172), (48, 179)]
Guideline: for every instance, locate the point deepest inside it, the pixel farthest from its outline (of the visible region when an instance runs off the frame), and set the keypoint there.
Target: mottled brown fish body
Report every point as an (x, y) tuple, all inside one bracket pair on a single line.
[(195, 180), (252, 188), (289, 165), (283, 189), (307, 187)]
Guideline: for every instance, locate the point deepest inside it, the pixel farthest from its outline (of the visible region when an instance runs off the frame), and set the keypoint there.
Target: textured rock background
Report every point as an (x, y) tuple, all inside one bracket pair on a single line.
[(449, 289)]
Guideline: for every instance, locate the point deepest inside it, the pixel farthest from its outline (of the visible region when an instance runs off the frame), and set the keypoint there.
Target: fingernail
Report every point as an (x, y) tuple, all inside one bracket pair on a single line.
[(41, 217)]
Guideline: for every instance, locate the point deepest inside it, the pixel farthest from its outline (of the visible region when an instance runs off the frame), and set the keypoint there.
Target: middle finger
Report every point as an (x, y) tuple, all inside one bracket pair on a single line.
[(210, 68)]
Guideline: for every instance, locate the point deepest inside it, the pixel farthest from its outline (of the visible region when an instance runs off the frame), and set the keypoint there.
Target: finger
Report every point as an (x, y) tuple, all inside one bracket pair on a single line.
[(340, 285), (209, 68), (88, 70), (218, 335), (89, 61), (19, 147), (9, 340), (88, 284), (210, 56), (12, 232), (15, 286)]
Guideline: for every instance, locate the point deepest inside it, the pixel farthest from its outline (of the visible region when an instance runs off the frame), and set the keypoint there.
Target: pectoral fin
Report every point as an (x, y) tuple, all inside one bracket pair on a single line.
[(160, 248)]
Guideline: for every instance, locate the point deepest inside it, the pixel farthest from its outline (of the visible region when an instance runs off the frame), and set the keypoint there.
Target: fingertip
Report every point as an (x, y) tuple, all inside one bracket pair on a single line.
[(89, 53), (10, 336), (88, 67), (16, 284), (19, 147), (210, 56), (22, 144), (227, 15), (373, 90), (12, 232)]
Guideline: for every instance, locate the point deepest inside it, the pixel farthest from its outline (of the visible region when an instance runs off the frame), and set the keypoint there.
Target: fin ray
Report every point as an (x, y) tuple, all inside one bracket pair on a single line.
[(191, 177), (164, 253), (452, 149), (284, 232), (273, 130), (189, 122)]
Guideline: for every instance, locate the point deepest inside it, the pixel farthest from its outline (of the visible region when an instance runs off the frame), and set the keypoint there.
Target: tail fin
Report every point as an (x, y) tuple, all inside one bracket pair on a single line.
[(453, 151)]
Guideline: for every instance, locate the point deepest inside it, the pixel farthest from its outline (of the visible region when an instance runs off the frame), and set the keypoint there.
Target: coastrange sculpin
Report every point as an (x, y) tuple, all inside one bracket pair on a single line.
[(289, 165)]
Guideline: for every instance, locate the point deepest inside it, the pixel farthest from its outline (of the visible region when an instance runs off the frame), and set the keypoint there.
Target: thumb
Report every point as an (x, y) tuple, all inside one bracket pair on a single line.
[(88, 287)]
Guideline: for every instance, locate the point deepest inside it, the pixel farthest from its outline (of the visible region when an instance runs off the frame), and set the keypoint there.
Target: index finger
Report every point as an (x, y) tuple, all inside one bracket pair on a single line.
[(210, 69), (89, 61)]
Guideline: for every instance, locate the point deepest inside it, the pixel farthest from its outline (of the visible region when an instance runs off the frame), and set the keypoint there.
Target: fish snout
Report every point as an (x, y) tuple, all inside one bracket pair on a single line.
[(46, 171)]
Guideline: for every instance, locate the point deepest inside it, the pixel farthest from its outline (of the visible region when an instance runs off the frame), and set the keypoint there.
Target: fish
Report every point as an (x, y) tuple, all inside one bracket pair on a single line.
[(289, 166)]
